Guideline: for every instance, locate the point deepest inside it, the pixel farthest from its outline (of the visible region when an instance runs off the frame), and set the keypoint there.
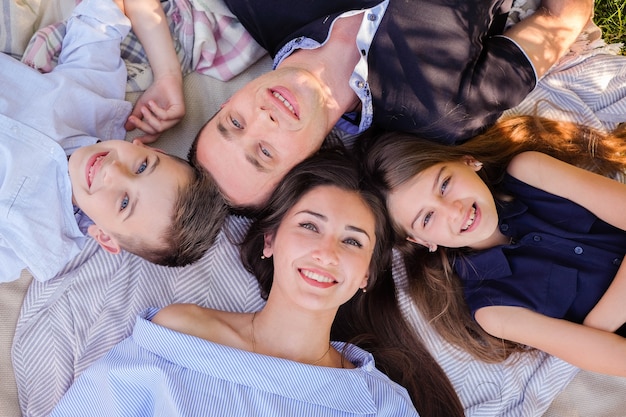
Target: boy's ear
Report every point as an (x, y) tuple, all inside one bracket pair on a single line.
[(107, 242)]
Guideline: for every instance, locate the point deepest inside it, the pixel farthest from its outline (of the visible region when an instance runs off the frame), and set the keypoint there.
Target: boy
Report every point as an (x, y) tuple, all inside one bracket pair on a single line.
[(138, 198)]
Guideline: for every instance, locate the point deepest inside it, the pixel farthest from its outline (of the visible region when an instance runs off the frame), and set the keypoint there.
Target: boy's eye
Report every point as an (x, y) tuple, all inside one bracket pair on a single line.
[(142, 167), (124, 204), (236, 123), (309, 226), (353, 242)]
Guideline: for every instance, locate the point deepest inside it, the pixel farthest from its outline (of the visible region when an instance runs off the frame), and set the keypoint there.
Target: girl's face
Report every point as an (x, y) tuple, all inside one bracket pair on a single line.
[(447, 204), (322, 248)]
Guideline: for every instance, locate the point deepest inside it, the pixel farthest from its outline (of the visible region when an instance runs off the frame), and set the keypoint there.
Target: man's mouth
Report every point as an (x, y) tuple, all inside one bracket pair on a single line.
[(286, 103)]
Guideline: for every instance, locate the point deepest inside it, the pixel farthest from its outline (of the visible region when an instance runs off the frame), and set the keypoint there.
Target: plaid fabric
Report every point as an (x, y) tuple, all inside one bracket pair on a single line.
[(207, 38)]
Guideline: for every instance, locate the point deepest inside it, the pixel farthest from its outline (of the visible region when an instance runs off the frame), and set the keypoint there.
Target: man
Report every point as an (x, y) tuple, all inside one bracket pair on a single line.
[(437, 69)]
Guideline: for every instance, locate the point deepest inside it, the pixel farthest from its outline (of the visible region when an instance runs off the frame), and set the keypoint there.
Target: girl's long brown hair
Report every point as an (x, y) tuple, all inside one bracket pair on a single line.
[(391, 159)]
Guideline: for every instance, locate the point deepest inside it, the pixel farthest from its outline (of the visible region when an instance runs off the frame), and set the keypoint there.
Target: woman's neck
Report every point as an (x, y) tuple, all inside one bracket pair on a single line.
[(294, 334)]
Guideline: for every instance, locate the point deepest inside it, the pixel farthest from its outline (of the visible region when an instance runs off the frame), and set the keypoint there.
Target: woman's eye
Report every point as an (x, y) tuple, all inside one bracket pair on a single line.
[(444, 185), (309, 226), (427, 218), (236, 123), (124, 203), (142, 167), (353, 242)]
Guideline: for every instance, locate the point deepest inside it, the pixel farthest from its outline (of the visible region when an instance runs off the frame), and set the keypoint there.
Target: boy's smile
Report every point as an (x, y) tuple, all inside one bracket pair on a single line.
[(127, 189)]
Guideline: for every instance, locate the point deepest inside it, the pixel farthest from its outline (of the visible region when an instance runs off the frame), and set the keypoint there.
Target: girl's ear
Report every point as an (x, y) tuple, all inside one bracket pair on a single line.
[(268, 241), (471, 162), (107, 242), (430, 246)]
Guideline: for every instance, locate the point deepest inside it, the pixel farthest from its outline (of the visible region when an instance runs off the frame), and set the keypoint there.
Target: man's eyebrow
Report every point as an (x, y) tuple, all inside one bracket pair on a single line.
[(256, 164)]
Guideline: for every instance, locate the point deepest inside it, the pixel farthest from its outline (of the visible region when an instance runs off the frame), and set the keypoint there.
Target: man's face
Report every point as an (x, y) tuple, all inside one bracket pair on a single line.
[(127, 189), (262, 131)]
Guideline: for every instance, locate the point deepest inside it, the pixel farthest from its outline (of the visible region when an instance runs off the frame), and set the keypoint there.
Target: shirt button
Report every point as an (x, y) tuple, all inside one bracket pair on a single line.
[(617, 261), (537, 238), (504, 227), (372, 17), (363, 52), (578, 250), (299, 39), (360, 84)]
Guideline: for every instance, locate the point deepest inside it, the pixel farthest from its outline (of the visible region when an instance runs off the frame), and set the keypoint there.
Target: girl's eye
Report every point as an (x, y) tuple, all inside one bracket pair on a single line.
[(444, 185), (142, 167), (309, 226), (427, 218), (236, 123), (353, 242), (124, 203)]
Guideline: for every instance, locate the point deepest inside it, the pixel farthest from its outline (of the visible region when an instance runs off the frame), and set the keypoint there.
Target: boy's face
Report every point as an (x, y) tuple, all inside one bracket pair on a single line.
[(127, 189)]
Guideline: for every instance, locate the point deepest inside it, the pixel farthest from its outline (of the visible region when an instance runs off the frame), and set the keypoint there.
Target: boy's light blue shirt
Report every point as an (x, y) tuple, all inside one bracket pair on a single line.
[(157, 371), (43, 119)]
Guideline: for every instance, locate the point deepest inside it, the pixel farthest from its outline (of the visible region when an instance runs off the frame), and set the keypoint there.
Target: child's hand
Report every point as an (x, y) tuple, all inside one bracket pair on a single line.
[(159, 108)]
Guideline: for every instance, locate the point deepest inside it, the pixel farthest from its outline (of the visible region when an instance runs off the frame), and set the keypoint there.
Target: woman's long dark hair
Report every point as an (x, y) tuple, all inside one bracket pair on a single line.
[(391, 159), (372, 319)]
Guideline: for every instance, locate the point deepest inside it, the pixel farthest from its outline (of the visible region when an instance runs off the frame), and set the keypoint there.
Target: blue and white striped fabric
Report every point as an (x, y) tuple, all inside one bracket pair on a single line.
[(158, 371), (68, 323)]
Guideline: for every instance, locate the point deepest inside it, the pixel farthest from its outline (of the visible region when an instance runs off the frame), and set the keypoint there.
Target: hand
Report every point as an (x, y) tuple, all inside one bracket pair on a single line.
[(159, 108)]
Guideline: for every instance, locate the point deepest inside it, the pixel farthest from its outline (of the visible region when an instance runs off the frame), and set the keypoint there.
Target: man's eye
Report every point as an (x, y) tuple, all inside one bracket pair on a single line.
[(266, 152), (124, 203), (142, 167), (236, 123)]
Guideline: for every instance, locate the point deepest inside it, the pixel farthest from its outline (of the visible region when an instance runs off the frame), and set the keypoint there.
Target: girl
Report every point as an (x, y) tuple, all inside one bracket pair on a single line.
[(317, 251), (536, 242)]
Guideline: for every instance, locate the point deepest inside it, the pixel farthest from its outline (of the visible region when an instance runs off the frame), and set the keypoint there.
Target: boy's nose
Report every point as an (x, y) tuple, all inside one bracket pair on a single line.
[(115, 171)]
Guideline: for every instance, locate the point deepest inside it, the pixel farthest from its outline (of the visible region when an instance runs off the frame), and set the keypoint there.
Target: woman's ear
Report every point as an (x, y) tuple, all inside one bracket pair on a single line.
[(268, 242), (472, 162)]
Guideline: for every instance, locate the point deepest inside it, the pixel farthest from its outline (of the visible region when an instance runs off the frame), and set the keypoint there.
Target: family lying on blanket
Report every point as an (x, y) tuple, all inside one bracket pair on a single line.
[(508, 244)]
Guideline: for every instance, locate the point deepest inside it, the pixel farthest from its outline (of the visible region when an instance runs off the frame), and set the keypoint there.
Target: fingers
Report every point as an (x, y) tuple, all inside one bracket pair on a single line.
[(152, 119)]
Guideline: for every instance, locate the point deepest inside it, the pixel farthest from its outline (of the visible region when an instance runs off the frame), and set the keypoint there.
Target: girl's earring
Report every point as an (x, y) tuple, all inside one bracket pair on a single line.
[(478, 164), (432, 248), (262, 256)]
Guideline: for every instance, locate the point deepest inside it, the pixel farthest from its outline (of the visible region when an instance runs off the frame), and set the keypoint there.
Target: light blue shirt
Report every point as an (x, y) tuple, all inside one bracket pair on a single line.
[(158, 371), (43, 119)]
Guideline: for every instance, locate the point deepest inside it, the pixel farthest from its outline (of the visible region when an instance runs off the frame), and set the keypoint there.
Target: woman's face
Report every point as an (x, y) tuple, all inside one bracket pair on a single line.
[(446, 205), (323, 248)]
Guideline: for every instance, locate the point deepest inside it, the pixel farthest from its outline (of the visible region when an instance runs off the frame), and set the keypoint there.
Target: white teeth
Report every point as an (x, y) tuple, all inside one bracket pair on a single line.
[(91, 168), (316, 277), (470, 220), (284, 101)]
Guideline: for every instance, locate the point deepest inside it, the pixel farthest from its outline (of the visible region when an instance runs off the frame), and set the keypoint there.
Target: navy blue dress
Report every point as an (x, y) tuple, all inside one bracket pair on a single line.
[(561, 262)]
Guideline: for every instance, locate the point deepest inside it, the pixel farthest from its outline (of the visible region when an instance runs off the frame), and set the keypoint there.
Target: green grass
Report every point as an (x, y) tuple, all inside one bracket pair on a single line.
[(610, 16)]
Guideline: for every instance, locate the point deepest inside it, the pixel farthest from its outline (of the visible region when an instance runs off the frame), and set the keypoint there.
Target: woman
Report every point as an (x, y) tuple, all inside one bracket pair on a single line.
[(536, 242), (317, 247)]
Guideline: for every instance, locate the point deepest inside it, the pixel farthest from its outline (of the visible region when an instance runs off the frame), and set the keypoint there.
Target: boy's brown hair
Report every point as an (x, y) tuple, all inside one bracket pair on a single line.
[(198, 215)]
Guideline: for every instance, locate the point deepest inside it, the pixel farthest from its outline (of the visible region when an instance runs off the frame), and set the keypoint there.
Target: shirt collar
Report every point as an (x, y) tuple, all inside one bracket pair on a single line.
[(300, 382)]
